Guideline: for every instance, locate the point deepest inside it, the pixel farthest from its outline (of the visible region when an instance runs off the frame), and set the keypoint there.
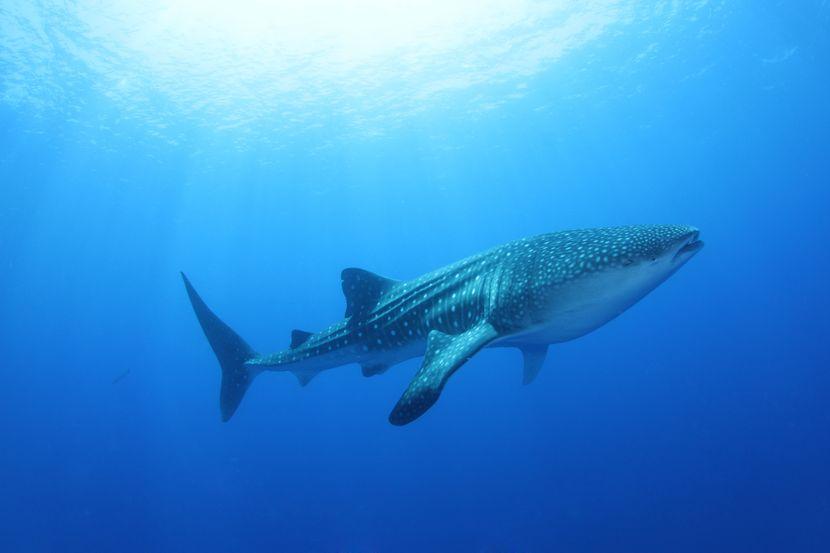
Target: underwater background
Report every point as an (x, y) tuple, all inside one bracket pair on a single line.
[(262, 147)]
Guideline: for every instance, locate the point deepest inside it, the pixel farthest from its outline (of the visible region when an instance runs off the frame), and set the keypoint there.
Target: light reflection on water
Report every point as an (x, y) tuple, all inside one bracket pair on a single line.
[(250, 65)]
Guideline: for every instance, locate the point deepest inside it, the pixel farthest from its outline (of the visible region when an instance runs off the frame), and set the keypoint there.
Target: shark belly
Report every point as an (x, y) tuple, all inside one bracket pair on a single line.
[(588, 303)]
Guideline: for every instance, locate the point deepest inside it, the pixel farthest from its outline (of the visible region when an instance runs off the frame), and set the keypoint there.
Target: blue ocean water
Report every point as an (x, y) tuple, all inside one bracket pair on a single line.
[(264, 147)]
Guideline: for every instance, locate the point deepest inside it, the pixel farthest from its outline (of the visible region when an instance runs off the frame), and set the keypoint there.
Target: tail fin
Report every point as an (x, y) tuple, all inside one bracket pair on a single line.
[(231, 350)]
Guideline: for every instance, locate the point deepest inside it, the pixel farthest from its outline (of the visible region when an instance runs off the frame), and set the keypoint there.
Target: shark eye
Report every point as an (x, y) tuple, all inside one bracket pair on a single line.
[(626, 261)]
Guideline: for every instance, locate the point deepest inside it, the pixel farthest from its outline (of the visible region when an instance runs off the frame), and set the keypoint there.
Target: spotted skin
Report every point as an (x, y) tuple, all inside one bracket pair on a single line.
[(526, 294), (445, 353)]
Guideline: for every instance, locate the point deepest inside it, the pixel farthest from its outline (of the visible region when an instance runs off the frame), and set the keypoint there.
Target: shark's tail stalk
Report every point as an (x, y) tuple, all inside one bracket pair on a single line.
[(231, 350)]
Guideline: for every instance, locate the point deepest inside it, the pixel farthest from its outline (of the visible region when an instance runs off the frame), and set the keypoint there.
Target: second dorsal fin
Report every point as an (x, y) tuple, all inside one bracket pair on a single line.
[(299, 337), (363, 289)]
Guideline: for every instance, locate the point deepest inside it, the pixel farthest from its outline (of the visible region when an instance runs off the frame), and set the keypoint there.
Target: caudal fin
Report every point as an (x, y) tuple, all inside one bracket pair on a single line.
[(231, 350)]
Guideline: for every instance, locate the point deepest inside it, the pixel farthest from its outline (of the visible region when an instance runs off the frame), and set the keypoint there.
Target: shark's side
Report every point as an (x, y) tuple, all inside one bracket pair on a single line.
[(525, 294)]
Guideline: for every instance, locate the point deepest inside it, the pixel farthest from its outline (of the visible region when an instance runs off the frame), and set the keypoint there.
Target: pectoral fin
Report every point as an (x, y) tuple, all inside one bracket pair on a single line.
[(534, 357), (444, 355)]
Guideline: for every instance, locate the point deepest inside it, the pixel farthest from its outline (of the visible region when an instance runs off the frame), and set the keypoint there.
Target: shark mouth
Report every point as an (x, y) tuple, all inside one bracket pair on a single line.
[(691, 246)]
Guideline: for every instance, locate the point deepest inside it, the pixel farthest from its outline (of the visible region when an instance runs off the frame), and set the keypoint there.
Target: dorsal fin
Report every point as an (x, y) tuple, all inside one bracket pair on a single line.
[(363, 290), (299, 337)]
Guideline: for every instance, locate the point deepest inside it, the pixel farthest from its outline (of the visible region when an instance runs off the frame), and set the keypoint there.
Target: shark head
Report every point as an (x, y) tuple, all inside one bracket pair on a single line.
[(638, 258), (594, 275), (656, 249)]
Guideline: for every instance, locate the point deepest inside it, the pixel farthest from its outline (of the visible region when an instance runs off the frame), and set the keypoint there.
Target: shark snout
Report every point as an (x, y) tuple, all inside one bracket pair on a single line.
[(689, 245)]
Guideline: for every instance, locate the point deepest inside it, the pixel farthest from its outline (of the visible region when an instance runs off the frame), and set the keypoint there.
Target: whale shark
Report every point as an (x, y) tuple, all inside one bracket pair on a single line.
[(526, 294)]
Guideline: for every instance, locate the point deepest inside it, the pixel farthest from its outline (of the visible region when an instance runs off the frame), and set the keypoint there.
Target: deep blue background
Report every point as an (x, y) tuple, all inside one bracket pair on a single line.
[(696, 421)]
